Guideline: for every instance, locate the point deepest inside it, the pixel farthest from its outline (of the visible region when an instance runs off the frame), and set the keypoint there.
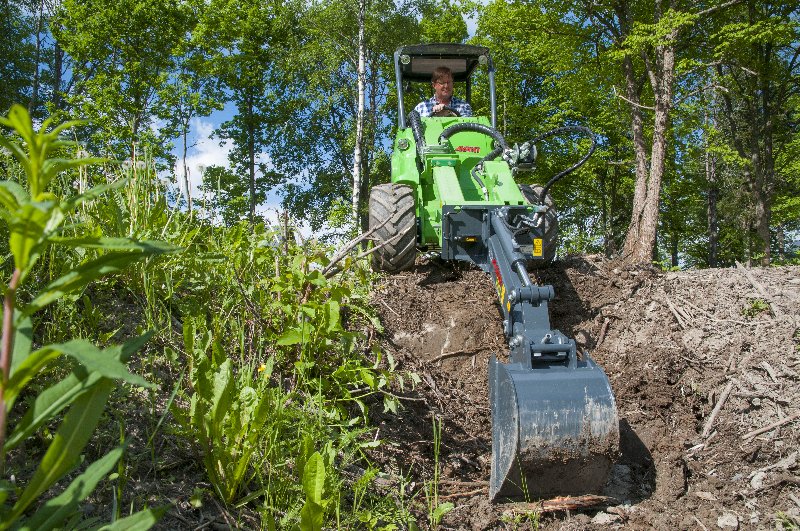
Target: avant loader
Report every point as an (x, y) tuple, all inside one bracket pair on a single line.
[(554, 421)]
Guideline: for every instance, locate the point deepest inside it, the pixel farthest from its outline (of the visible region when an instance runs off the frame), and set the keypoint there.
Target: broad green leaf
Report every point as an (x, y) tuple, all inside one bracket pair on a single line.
[(101, 361), (117, 244), (23, 337), (68, 443), (311, 516), (141, 521), (442, 510), (52, 513), (332, 314), (11, 195), (78, 278), (292, 336), (314, 478), (221, 394), (26, 370), (28, 229), (126, 350), (52, 400)]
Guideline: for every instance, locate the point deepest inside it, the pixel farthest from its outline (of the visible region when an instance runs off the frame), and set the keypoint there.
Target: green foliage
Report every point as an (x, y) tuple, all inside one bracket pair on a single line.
[(755, 307), (227, 413), (35, 219), (313, 486), (436, 510)]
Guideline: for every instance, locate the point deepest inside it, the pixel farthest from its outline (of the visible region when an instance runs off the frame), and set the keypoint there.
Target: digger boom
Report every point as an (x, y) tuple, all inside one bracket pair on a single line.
[(554, 420)]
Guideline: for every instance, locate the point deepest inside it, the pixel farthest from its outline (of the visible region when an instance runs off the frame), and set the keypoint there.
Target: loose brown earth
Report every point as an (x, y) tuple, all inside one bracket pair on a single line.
[(676, 346)]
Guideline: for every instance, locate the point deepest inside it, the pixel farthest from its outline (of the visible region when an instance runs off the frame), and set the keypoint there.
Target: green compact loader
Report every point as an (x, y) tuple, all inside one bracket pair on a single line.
[(555, 430)]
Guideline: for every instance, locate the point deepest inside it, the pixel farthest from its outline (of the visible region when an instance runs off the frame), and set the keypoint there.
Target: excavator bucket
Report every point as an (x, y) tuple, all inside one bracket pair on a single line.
[(555, 430)]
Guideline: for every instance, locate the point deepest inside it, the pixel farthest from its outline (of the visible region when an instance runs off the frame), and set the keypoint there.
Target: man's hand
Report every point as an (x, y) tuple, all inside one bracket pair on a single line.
[(438, 107)]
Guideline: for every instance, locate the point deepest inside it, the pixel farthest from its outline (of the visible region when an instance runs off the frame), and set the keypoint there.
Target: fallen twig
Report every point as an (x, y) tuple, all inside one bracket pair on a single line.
[(674, 311), (570, 503), (782, 479), (389, 307), (717, 408), (772, 426), (760, 289), (772, 374), (462, 483), (463, 494), (446, 355), (603, 330), (700, 523), (351, 244)]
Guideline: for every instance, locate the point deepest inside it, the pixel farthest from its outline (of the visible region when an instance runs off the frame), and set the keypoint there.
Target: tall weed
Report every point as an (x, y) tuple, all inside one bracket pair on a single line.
[(36, 222)]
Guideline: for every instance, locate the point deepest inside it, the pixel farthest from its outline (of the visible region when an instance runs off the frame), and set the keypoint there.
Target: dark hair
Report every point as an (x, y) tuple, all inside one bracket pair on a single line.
[(439, 72)]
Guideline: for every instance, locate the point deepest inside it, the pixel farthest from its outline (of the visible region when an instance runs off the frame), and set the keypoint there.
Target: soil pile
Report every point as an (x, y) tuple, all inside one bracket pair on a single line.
[(705, 367)]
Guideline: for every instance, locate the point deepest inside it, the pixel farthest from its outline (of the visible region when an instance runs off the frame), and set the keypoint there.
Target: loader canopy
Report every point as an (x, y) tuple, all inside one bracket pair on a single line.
[(416, 63)]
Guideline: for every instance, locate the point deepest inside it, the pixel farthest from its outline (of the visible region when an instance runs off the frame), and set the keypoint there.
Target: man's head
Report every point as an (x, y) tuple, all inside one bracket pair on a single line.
[(442, 81)]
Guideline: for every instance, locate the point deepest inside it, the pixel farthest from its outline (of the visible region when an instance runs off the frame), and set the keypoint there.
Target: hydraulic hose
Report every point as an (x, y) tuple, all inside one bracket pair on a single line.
[(416, 129), (557, 177), (486, 130)]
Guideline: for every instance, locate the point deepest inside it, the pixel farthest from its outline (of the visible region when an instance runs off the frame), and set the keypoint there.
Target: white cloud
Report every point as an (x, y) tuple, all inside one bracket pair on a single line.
[(204, 152)]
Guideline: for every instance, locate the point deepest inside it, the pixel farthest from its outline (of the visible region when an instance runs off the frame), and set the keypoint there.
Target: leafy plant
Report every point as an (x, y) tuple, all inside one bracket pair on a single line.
[(436, 510), (314, 487), (755, 307), (36, 220), (227, 412)]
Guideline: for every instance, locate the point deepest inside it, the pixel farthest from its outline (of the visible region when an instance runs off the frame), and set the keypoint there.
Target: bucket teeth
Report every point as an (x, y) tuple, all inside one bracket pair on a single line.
[(555, 430)]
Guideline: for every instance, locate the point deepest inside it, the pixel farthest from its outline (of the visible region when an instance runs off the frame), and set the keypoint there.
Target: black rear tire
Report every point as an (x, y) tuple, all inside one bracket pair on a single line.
[(550, 238), (393, 203)]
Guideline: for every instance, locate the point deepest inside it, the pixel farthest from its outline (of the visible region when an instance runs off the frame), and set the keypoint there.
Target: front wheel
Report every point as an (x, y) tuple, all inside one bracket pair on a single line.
[(550, 235), (391, 209)]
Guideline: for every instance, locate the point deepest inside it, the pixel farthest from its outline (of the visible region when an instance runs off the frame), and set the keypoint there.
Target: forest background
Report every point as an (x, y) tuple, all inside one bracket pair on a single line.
[(695, 107), (696, 103)]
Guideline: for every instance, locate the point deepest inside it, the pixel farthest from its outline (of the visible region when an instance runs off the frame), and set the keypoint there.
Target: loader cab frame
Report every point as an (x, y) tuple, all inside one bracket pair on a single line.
[(416, 64)]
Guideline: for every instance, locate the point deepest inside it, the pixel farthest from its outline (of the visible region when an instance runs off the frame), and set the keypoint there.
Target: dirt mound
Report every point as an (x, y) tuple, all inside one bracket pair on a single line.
[(698, 361)]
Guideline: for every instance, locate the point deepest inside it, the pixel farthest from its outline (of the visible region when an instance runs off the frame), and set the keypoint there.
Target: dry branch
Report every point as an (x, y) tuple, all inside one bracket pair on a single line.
[(717, 408), (350, 245), (772, 426), (463, 494), (603, 330), (675, 312), (570, 503), (446, 355)]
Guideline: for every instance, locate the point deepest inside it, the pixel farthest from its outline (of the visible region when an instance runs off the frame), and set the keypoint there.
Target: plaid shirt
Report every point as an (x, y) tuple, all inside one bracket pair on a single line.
[(425, 108)]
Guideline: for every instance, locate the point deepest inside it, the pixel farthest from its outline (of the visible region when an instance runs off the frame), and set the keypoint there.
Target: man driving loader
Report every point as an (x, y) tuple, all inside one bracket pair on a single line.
[(443, 103)]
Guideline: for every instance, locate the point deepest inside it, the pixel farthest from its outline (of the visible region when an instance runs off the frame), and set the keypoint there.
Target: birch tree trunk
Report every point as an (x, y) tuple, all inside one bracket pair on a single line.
[(361, 72)]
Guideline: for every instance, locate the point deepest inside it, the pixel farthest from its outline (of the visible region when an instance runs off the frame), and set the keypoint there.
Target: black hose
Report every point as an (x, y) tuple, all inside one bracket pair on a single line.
[(416, 129), (479, 128), (564, 173)]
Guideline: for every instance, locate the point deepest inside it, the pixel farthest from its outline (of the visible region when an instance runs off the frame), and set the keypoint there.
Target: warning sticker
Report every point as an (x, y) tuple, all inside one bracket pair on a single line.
[(537, 247)]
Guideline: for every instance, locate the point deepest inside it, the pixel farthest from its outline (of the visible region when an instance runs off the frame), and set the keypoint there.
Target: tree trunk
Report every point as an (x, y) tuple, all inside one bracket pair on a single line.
[(251, 152), (58, 63), (712, 198), (713, 221), (361, 73), (37, 58), (641, 237), (184, 135)]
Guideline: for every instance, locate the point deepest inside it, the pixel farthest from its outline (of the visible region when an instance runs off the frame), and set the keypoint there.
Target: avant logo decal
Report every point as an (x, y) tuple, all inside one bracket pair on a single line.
[(468, 149)]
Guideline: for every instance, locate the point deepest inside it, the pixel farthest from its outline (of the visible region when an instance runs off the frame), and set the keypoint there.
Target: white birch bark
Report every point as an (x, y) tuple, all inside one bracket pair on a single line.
[(357, 175)]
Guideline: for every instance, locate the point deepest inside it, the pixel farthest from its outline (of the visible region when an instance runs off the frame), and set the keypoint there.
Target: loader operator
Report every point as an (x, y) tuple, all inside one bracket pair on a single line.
[(443, 101)]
